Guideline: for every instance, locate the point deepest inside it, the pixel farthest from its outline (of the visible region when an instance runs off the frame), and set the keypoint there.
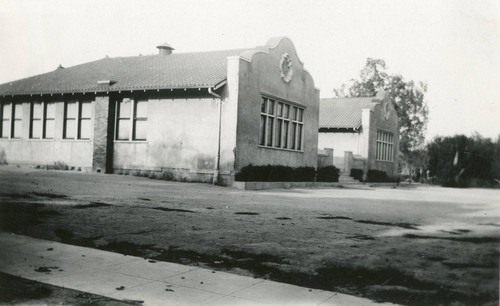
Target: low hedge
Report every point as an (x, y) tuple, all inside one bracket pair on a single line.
[(377, 176), (272, 173), (328, 174), (357, 174)]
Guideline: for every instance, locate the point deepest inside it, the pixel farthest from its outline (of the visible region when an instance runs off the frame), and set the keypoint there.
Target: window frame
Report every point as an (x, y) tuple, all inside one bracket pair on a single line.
[(77, 119), (48, 120), (16, 119), (286, 116), (3, 119), (37, 119), (132, 119), (384, 149)]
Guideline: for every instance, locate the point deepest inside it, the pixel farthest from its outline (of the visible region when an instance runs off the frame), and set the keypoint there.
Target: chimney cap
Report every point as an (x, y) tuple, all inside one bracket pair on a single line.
[(165, 46)]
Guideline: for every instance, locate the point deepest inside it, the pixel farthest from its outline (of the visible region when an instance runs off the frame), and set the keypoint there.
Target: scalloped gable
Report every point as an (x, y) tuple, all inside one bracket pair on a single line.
[(272, 43)]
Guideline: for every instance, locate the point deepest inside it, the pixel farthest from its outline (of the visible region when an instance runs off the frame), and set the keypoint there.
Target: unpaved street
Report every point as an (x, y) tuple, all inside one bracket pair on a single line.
[(415, 246)]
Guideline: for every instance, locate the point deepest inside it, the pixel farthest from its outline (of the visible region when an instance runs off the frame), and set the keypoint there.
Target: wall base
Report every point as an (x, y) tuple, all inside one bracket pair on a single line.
[(280, 185)]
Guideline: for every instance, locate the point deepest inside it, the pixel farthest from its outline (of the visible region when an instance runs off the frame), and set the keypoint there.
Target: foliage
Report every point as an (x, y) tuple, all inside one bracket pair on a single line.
[(415, 160), (328, 174), (406, 96), (272, 173), (376, 176), (461, 161), (357, 174)]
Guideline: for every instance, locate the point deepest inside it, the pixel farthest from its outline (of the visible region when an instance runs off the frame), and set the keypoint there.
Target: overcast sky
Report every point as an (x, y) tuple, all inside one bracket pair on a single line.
[(453, 46)]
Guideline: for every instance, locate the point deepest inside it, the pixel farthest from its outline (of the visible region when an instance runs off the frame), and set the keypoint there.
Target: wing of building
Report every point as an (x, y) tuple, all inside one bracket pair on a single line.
[(363, 133), (200, 113)]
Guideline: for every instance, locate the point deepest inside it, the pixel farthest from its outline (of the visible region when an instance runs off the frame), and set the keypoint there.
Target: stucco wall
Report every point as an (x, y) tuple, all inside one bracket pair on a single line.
[(378, 121), (76, 153), (181, 134), (261, 75), (340, 142)]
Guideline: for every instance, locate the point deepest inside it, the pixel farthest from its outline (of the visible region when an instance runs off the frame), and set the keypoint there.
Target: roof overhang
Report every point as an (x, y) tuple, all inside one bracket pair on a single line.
[(115, 90)]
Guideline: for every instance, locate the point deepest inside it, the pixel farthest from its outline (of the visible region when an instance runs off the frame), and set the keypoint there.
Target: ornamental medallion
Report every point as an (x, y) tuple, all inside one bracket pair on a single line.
[(286, 67)]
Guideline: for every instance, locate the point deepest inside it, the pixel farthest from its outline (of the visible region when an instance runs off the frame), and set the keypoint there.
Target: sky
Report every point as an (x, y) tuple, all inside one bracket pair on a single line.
[(453, 46)]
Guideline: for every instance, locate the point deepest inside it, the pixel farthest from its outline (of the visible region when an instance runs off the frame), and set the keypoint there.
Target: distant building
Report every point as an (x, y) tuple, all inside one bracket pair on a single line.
[(200, 114), (363, 133)]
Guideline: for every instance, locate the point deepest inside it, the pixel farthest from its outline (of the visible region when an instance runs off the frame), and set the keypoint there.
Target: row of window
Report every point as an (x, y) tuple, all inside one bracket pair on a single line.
[(42, 119), (385, 146), (281, 125), (131, 120)]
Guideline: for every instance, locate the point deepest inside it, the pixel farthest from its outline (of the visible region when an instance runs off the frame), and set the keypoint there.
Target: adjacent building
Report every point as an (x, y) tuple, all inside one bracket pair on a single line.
[(203, 114), (363, 133)]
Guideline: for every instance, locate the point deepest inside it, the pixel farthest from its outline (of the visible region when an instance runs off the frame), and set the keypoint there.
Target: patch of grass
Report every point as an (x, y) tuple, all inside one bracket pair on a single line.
[(461, 265), (361, 237), (14, 216), (401, 224), (459, 239), (50, 195), (173, 209), (91, 205), (18, 291), (16, 196), (66, 236), (333, 218), (127, 248), (246, 213)]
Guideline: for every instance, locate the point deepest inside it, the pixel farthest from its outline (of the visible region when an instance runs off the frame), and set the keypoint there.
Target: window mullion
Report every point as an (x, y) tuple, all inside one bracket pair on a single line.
[(43, 120), (77, 120), (266, 130), (12, 118), (132, 119)]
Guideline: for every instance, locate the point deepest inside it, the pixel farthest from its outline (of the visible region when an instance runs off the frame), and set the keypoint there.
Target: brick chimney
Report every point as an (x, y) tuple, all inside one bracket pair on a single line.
[(165, 49)]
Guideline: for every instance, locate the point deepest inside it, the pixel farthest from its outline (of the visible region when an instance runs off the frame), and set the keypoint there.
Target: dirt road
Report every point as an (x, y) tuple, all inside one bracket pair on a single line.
[(414, 246)]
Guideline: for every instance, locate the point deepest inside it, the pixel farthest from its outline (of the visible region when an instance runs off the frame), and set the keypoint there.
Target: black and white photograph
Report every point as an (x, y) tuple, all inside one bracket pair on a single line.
[(279, 152)]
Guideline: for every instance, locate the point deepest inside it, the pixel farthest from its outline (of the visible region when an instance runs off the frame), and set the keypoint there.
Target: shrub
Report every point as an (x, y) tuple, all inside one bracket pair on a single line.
[(357, 174), (272, 173), (56, 166), (376, 176), (328, 174), (304, 174), (165, 175)]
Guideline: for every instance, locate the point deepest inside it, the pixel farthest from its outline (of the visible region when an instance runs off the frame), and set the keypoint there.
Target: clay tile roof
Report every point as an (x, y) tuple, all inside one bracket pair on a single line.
[(343, 112), (178, 70)]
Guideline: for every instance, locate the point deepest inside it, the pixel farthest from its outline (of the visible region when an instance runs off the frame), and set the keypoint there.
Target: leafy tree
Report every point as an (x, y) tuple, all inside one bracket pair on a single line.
[(415, 160), (406, 96), (462, 161)]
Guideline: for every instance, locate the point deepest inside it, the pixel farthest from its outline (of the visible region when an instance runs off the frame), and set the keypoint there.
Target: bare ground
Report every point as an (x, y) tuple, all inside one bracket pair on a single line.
[(413, 246)]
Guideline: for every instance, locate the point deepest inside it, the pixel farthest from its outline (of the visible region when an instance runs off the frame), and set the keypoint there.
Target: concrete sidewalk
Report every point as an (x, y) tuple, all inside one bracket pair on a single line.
[(155, 283)]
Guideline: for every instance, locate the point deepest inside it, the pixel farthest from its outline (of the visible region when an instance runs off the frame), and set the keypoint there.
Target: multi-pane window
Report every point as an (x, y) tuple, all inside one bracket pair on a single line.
[(84, 120), (77, 120), (17, 125), (385, 146), (131, 119), (281, 124), (11, 117), (42, 120), (6, 116), (49, 120), (70, 115), (36, 120)]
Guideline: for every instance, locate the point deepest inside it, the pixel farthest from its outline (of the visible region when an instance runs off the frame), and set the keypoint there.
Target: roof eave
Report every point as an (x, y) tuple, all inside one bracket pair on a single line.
[(119, 90)]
